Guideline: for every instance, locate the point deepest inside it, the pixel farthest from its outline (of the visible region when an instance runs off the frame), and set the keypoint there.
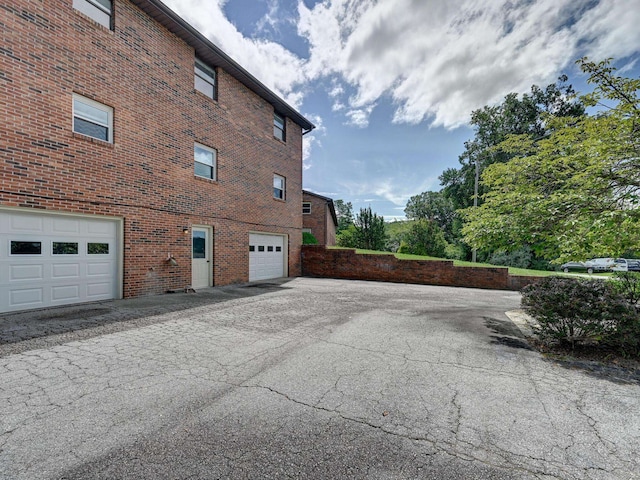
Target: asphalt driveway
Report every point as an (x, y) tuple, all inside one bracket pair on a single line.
[(310, 378)]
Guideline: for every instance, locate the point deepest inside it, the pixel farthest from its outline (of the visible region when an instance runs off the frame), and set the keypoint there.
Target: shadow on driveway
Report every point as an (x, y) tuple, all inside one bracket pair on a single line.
[(22, 331)]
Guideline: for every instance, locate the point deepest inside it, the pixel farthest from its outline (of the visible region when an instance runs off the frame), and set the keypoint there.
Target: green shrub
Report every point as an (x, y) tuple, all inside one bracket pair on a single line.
[(308, 239), (520, 258), (578, 310), (347, 237), (627, 284)]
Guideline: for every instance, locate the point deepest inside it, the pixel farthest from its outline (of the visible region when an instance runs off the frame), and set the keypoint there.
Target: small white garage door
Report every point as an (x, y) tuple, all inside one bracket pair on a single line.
[(49, 260), (266, 256)]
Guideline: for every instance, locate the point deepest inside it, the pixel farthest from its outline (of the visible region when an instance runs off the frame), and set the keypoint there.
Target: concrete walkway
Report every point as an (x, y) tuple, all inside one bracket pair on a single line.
[(309, 378)]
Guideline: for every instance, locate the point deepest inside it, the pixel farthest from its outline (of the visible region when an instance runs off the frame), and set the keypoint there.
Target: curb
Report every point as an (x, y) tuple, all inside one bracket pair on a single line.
[(526, 323)]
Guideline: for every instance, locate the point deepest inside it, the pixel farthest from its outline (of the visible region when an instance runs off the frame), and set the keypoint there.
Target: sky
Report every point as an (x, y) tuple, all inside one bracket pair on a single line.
[(391, 84)]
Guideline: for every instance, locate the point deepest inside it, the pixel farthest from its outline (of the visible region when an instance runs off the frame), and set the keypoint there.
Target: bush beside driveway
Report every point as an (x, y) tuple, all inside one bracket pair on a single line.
[(315, 378)]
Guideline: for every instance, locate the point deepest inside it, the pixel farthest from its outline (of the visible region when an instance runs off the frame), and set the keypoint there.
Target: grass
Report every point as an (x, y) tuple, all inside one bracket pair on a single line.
[(461, 263)]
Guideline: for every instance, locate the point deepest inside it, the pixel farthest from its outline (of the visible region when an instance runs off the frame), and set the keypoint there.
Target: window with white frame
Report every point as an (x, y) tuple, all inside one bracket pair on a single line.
[(92, 119), (204, 161), (306, 208), (205, 79), (279, 127), (99, 10), (278, 187)]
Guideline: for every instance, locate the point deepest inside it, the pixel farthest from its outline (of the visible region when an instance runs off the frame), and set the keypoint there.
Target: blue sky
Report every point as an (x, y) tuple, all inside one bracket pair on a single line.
[(391, 84)]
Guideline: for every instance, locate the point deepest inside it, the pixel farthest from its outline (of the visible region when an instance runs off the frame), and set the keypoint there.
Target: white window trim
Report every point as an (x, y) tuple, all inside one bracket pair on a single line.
[(207, 74), (282, 131), (283, 189), (99, 106), (95, 11), (308, 205), (214, 167)]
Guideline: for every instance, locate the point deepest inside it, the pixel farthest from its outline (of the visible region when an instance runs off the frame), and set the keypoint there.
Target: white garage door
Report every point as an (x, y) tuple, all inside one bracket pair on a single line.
[(49, 260), (266, 256)]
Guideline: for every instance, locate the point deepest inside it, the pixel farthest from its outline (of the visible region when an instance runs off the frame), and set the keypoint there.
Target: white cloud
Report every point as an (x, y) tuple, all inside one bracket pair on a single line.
[(438, 61), (311, 140), (271, 63), (396, 190), (359, 117)]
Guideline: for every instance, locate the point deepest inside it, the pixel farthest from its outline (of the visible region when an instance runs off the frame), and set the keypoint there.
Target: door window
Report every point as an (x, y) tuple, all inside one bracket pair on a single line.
[(199, 244)]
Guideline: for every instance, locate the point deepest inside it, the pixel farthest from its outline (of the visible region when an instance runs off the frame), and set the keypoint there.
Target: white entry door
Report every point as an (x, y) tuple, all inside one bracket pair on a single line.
[(201, 271), (266, 256)]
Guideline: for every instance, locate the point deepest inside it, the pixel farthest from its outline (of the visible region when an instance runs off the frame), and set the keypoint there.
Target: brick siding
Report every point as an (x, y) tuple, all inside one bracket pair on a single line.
[(319, 221), (49, 51), (318, 261)]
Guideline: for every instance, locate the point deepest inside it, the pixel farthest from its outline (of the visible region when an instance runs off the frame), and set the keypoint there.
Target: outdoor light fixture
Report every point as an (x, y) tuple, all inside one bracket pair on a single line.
[(185, 230)]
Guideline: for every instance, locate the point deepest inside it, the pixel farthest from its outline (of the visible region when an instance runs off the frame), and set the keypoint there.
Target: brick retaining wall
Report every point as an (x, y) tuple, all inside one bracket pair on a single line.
[(319, 261)]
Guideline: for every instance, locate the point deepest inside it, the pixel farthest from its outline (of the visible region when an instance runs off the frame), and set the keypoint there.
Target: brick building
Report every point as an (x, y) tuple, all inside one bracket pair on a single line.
[(136, 158), (319, 217)]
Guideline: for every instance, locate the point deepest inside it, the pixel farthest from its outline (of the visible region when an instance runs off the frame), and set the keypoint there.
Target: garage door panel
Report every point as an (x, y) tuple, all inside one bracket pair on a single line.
[(25, 298), (100, 229), (65, 293), (65, 270), (97, 269), (26, 272), (65, 226), (96, 291), (26, 223)]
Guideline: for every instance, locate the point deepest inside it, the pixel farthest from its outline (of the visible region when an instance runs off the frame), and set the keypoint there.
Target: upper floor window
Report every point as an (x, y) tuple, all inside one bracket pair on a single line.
[(99, 10), (92, 119), (205, 79), (306, 207), (279, 127), (278, 187), (205, 161)]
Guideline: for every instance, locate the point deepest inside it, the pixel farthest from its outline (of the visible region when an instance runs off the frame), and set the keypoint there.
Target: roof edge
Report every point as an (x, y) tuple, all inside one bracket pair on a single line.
[(208, 51), (329, 201)]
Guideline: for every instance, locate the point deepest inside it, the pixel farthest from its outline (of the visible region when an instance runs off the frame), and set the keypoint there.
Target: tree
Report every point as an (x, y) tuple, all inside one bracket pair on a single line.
[(435, 207), (369, 230), (424, 237), (493, 124), (574, 193), (344, 212)]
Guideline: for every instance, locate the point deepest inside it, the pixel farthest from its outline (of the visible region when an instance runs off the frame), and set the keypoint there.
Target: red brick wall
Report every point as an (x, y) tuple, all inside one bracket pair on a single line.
[(330, 233), (318, 261), (316, 220), (319, 220), (50, 51)]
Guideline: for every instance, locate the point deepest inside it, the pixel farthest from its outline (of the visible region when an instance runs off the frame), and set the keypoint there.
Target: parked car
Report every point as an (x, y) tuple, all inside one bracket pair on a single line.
[(621, 265), (573, 266), (599, 264), (626, 265)]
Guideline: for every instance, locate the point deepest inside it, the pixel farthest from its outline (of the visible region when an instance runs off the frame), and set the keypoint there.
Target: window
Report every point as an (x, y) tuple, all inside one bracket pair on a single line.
[(278, 187), (306, 208), (98, 248), (99, 10), (65, 248), (278, 127), (26, 248), (205, 161), (205, 79), (92, 119)]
